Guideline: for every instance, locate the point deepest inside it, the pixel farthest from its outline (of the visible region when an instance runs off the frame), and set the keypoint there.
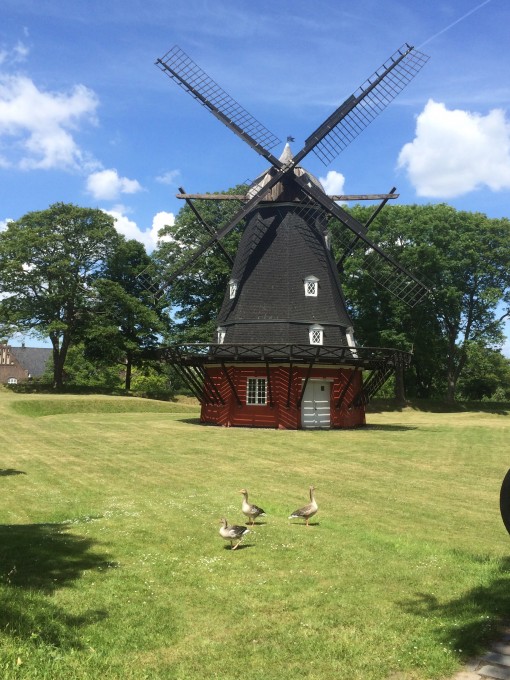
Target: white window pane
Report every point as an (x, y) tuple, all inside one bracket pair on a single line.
[(256, 391), (316, 337)]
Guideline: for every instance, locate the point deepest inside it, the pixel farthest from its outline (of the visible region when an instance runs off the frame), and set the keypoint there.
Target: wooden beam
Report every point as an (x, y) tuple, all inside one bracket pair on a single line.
[(231, 384), (214, 197), (309, 373), (364, 197), (243, 197), (289, 386), (208, 380), (269, 386), (345, 389)]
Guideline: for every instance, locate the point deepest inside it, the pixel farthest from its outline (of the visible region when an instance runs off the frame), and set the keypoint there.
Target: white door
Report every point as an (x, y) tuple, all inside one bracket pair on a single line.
[(315, 407)]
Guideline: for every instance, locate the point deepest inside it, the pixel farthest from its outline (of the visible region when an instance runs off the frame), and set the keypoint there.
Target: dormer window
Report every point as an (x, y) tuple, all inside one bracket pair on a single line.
[(221, 334), (232, 286), (316, 334), (311, 286)]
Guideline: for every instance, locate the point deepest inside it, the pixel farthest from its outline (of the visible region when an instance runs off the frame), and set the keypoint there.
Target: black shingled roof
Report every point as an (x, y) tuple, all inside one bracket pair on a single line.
[(280, 246)]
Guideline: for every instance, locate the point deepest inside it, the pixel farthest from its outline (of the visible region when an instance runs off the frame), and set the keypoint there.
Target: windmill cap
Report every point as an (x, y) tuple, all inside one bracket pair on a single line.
[(285, 157)]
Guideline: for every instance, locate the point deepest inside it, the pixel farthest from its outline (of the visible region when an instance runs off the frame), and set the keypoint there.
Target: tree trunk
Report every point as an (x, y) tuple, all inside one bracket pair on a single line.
[(129, 364), (400, 391), (58, 368), (59, 358), (450, 388)]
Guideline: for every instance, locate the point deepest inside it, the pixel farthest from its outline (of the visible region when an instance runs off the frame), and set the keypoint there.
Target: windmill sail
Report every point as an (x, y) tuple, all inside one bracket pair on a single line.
[(369, 100), (326, 142), (194, 80)]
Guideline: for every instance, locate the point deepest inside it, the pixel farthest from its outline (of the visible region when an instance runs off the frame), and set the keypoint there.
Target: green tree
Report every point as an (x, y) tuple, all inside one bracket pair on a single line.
[(82, 372), (196, 296), (486, 375), (49, 260), (464, 258), (128, 318)]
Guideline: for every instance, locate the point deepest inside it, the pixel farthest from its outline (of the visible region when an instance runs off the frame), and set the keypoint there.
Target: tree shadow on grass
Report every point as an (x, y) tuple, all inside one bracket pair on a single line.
[(8, 472), (469, 623), (35, 561), (388, 428)]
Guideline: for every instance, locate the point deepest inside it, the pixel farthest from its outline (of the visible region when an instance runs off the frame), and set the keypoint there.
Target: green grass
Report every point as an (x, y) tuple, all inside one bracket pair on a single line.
[(111, 565)]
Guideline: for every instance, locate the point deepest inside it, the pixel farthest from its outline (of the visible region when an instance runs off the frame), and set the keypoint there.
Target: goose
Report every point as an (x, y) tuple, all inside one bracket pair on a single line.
[(309, 510), (231, 532), (249, 509)]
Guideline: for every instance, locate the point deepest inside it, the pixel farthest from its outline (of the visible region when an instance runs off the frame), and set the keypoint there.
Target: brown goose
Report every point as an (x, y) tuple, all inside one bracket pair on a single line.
[(309, 510), (249, 509), (231, 532)]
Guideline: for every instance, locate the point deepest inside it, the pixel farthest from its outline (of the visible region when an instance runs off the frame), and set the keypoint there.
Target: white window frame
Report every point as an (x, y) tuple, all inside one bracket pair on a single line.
[(316, 334), (311, 284), (232, 286), (221, 334), (12, 381), (256, 391)]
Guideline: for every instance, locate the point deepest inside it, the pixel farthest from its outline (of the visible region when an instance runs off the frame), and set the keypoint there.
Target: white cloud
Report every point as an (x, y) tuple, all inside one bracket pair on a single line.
[(39, 124), (107, 185), (169, 177), (131, 230), (333, 183), (4, 223), (160, 220), (20, 52), (16, 55), (456, 151)]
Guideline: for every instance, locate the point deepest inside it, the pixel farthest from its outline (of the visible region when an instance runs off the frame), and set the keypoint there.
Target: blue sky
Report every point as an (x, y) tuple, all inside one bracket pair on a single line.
[(86, 117)]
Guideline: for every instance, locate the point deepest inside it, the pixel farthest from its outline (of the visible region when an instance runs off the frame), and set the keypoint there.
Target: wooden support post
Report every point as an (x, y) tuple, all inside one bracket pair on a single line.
[(197, 389), (289, 386), (309, 373), (210, 382), (269, 386), (231, 384), (345, 389)]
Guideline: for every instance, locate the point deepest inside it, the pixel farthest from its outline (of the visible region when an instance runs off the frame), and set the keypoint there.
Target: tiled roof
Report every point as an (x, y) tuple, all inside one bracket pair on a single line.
[(32, 359)]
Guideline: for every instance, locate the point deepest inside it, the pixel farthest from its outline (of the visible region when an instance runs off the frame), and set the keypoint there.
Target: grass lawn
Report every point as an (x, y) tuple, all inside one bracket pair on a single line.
[(111, 564)]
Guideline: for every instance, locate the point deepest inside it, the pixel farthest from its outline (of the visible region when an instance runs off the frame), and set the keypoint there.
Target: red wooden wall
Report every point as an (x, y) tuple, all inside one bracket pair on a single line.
[(279, 415)]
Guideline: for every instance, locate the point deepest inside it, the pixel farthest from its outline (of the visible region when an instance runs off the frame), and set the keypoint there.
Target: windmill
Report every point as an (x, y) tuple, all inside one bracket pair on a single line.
[(285, 355)]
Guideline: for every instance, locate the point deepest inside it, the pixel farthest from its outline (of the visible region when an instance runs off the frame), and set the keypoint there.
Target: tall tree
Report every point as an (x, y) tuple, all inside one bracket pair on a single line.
[(48, 262), (197, 295), (486, 375), (464, 258), (128, 318)]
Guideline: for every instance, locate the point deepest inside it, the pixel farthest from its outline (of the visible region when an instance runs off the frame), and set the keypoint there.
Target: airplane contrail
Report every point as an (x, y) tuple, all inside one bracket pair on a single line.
[(455, 22)]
